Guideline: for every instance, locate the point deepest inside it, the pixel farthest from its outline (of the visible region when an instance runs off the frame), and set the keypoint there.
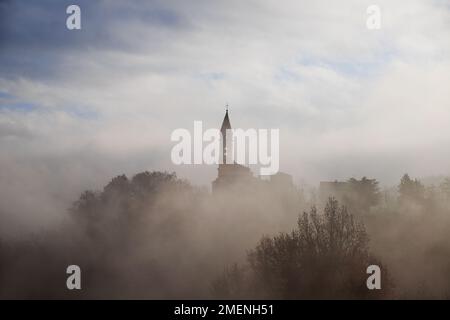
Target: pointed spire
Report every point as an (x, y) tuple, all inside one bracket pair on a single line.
[(226, 125), (226, 121)]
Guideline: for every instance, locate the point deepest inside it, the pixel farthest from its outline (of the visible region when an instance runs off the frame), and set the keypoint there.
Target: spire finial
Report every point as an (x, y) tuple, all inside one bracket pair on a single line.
[(226, 106)]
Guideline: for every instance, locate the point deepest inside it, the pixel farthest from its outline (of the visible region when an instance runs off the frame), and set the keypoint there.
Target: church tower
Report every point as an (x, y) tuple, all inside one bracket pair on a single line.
[(230, 174), (238, 178)]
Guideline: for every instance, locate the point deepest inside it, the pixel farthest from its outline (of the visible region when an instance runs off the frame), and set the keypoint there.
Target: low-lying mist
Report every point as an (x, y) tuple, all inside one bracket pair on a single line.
[(156, 236)]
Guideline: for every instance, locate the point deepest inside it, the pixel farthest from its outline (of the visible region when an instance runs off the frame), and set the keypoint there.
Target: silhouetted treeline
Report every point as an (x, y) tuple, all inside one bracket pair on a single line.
[(157, 236), (326, 256), (151, 236)]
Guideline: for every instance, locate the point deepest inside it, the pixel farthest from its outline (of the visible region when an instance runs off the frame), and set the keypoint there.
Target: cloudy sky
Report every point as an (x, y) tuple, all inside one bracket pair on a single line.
[(78, 107)]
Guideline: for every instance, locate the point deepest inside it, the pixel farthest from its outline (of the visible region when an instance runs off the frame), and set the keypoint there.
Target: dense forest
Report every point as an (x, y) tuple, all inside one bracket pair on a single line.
[(157, 236)]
